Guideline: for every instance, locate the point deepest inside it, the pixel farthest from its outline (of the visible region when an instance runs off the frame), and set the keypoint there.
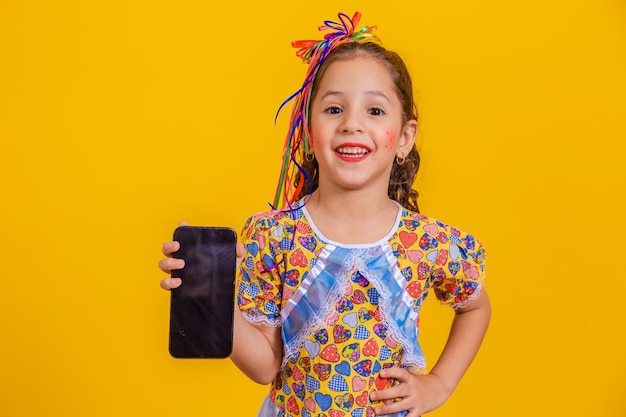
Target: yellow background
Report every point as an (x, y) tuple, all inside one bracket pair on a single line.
[(120, 118)]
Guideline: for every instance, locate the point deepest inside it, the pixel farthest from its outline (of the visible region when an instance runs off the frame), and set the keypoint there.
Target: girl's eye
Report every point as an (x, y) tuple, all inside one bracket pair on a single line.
[(333, 110), (376, 111)]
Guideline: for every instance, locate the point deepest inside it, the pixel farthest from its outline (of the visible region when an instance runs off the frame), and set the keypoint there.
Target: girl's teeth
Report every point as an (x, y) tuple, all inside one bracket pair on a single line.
[(352, 151)]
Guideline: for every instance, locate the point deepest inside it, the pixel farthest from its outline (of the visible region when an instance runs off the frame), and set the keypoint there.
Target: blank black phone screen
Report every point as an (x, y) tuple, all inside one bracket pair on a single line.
[(201, 309)]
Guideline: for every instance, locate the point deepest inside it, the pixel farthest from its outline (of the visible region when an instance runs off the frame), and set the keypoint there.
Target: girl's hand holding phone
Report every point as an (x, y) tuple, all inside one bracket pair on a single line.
[(170, 264), (202, 264)]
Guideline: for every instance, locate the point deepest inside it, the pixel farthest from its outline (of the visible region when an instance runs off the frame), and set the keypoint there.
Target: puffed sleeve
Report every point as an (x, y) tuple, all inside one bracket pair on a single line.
[(459, 271), (258, 280)]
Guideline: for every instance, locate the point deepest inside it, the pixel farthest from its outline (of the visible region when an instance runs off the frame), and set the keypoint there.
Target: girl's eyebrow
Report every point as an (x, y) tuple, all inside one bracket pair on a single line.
[(376, 93)]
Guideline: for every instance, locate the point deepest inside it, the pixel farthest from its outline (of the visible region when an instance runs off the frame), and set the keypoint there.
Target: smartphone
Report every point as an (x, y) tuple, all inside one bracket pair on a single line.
[(202, 308)]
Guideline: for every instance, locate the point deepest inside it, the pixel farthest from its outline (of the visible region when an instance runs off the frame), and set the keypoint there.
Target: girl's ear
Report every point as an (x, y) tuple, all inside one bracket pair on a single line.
[(407, 138)]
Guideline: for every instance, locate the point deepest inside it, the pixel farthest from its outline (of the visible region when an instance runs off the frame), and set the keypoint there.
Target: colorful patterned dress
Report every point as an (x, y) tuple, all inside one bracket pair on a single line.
[(348, 311)]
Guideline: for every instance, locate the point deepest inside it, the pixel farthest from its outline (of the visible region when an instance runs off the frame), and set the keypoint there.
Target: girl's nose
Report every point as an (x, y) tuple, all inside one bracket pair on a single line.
[(352, 122)]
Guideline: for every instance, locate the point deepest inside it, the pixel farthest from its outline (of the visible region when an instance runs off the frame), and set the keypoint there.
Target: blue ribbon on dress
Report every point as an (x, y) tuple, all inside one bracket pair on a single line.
[(307, 310)]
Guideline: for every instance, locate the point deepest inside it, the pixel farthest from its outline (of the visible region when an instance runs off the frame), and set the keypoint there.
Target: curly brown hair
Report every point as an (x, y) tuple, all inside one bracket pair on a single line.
[(402, 175)]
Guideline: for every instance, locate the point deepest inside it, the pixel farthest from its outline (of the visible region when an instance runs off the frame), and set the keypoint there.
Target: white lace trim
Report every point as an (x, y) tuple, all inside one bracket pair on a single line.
[(472, 297), (324, 316), (256, 316)]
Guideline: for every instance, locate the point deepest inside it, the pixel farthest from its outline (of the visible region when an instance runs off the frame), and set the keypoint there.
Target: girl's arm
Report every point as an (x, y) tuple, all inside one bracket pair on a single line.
[(423, 393), (466, 334), (257, 349)]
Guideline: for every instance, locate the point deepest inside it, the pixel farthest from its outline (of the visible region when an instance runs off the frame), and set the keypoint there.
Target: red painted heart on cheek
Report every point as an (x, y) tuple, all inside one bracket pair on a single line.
[(390, 140)]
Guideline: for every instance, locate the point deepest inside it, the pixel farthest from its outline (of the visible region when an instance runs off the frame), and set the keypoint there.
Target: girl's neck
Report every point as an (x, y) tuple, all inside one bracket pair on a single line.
[(355, 204), (352, 217)]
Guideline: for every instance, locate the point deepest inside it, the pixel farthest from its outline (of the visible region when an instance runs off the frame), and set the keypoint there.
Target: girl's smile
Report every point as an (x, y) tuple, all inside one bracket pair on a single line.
[(352, 152)]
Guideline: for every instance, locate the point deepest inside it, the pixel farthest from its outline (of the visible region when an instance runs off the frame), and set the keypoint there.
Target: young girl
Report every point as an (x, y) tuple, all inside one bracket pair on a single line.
[(330, 287)]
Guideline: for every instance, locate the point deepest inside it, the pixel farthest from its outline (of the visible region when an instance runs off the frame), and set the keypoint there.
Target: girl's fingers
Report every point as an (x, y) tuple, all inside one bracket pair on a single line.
[(170, 283), (167, 265), (241, 250), (388, 394), (170, 247), (395, 372), (389, 408)]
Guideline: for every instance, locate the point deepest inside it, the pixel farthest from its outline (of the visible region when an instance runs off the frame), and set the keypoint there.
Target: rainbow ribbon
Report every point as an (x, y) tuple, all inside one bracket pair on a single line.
[(313, 53)]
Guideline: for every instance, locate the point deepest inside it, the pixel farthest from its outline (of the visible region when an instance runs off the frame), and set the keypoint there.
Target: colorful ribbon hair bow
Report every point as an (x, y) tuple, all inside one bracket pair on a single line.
[(313, 53)]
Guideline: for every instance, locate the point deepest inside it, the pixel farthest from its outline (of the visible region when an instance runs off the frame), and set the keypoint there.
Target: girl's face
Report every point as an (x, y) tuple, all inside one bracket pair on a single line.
[(357, 127)]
